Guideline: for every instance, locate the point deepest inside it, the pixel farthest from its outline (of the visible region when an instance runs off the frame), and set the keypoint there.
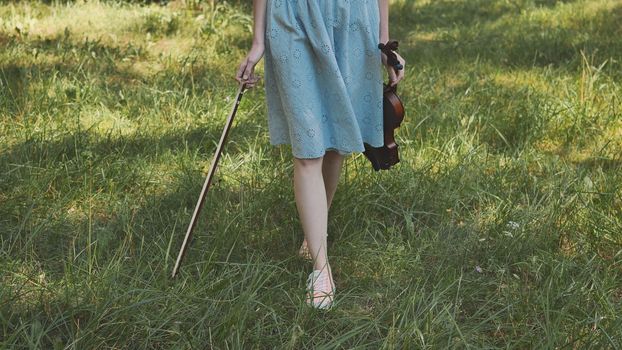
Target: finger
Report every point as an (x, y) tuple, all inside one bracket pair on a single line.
[(248, 72), (392, 76), (253, 80), (241, 69), (400, 75), (241, 73)]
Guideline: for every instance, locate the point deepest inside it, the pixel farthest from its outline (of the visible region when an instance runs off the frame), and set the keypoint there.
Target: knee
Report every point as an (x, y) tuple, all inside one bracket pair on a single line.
[(308, 163)]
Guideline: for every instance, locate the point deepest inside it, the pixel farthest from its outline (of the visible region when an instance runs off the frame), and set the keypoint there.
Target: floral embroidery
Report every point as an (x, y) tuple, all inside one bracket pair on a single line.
[(315, 101), (274, 33), (325, 48)]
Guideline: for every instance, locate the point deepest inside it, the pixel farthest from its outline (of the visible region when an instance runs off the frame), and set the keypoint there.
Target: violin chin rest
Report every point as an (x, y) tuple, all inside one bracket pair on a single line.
[(383, 157)]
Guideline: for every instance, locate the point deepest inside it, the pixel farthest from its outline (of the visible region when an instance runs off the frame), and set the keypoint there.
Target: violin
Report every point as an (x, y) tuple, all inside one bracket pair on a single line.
[(386, 156)]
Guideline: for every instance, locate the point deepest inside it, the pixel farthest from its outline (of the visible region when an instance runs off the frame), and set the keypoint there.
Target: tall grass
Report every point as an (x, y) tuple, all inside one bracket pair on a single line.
[(500, 228)]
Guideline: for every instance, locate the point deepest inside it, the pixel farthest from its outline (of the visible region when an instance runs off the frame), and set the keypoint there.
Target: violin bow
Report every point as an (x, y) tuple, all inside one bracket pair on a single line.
[(208, 180)]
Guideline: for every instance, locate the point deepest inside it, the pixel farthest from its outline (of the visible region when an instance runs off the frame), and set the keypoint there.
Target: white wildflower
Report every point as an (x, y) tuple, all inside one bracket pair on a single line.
[(513, 225)]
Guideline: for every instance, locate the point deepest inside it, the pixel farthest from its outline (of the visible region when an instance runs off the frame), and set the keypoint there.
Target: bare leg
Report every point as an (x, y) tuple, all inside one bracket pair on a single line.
[(309, 190), (312, 207), (331, 169)]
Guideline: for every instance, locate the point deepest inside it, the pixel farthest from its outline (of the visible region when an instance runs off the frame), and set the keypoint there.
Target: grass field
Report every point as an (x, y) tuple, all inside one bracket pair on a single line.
[(500, 228)]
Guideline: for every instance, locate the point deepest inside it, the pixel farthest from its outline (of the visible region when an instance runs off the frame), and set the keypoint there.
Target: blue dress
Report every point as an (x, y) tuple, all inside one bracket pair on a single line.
[(323, 75)]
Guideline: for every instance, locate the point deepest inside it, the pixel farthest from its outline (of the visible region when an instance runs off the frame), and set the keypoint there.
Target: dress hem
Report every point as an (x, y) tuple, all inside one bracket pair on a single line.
[(330, 148)]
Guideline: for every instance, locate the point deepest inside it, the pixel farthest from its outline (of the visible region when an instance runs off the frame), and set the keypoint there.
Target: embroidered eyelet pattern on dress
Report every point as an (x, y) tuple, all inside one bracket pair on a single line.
[(323, 75)]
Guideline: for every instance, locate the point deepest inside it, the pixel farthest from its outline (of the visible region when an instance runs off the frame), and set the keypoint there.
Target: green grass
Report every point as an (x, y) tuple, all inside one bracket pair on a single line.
[(500, 228)]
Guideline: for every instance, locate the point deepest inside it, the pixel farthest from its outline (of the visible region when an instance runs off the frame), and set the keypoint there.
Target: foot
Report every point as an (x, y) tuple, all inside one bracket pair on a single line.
[(304, 252), (320, 289)]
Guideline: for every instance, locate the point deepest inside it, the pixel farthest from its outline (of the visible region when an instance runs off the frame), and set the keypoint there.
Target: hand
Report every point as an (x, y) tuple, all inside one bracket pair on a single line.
[(394, 76), (246, 70)]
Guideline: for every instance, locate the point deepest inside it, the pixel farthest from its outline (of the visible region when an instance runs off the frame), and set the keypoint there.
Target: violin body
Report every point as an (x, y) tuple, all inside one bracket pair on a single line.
[(386, 156)]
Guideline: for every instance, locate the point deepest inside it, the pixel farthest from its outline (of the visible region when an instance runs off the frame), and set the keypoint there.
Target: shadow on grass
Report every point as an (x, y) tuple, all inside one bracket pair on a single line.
[(118, 157), (126, 241), (55, 58), (79, 67), (85, 155), (442, 15), (605, 164), (489, 35), (437, 15)]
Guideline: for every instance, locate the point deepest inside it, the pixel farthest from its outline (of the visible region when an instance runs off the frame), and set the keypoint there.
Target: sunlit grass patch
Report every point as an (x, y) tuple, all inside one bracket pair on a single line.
[(90, 19), (103, 121), (535, 78)]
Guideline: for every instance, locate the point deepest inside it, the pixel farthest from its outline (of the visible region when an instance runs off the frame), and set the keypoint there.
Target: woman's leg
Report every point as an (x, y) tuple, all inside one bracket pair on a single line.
[(309, 190), (331, 169)]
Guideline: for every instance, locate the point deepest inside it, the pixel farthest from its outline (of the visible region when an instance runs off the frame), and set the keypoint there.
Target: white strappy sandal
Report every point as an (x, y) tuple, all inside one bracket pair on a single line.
[(317, 284)]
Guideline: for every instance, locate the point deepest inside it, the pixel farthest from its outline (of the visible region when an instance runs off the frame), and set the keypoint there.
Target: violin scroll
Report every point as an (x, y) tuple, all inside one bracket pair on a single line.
[(389, 49)]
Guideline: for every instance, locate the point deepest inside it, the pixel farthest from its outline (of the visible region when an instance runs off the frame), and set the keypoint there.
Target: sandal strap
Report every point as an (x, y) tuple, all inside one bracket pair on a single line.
[(319, 278)]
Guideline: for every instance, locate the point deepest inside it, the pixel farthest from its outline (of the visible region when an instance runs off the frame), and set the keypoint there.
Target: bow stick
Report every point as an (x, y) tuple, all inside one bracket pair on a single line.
[(208, 180)]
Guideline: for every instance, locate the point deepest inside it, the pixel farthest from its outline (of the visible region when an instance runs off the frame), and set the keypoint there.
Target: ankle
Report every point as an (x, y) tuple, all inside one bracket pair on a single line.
[(322, 266), (325, 270)]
